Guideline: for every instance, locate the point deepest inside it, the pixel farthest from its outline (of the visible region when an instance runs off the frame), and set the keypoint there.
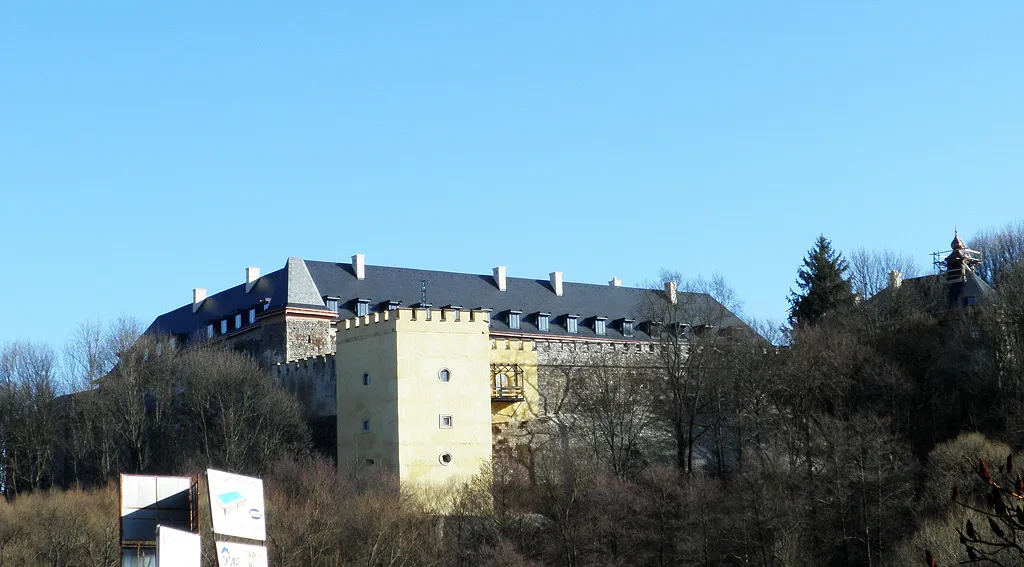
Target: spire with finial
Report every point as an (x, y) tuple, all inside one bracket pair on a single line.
[(958, 243), (960, 261)]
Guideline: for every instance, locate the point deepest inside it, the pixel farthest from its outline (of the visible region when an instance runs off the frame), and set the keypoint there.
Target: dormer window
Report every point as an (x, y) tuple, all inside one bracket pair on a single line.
[(362, 307), (513, 319), (223, 326), (572, 324), (543, 322), (332, 303), (390, 305), (252, 316), (627, 327), (266, 304), (238, 320), (654, 329), (600, 326), (209, 331), (425, 307)]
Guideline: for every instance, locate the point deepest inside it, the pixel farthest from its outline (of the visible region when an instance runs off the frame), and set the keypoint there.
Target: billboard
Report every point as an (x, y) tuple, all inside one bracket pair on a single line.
[(241, 555), (236, 505), (149, 501), (175, 548)]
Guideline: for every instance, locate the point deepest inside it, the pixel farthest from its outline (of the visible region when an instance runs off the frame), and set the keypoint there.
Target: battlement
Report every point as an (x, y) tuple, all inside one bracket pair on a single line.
[(513, 344), (303, 364), (415, 315), (312, 381)]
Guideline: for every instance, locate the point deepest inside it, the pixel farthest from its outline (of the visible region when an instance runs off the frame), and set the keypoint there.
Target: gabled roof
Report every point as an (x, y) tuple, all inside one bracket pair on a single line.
[(304, 283)]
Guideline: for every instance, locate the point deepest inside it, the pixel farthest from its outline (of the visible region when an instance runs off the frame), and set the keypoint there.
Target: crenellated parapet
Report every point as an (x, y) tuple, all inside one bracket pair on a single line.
[(312, 381), (414, 319)]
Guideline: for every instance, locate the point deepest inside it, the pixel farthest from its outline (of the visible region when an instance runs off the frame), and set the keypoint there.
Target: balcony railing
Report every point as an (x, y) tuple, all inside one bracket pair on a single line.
[(507, 383)]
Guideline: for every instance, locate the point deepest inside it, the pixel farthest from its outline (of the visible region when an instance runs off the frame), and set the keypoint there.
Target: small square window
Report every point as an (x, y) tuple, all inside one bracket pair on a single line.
[(366, 426), (252, 316), (513, 319), (223, 326), (445, 421), (209, 331), (366, 379), (572, 324), (543, 321), (238, 320)]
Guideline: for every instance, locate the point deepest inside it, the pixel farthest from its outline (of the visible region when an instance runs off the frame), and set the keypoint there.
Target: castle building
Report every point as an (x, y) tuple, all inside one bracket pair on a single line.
[(421, 370)]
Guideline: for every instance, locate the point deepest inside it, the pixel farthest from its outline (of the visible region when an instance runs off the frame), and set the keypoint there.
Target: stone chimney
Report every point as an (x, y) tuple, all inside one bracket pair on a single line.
[(556, 283), (198, 295), (251, 275), (359, 266), (670, 292), (499, 277), (615, 282), (895, 279)]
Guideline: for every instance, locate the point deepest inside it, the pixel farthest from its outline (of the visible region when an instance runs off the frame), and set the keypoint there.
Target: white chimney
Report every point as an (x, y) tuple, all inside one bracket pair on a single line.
[(359, 266), (251, 275), (556, 283), (198, 295), (895, 279), (615, 282), (670, 291), (499, 277)]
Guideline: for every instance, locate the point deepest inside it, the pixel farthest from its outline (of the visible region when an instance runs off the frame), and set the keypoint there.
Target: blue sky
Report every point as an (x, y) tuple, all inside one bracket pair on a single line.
[(146, 150)]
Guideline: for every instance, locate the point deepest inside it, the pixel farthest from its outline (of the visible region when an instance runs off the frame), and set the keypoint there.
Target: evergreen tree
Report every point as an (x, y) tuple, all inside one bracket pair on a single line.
[(823, 285)]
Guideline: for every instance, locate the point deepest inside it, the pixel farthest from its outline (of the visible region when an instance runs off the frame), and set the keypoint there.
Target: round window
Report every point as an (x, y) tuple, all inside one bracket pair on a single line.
[(444, 375), (446, 459)]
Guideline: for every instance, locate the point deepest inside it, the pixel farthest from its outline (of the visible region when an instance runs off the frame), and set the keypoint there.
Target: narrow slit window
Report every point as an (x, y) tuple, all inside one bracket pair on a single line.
[(366, 379), (366, 426)]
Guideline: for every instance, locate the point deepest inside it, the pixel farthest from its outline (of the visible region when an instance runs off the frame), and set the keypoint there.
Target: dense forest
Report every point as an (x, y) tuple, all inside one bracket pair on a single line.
[(876, 427)]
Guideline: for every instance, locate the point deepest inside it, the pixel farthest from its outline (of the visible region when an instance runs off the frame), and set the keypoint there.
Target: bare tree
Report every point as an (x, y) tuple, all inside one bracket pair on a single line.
[(691, 320), (240, 418), (870, 269), (615, 408), (1001, 249), (28, 387)]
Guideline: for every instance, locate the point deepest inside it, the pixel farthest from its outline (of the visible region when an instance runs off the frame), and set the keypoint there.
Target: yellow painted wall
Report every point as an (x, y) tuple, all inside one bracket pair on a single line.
[(523, 353), (424, 348), (404, 353), (370, 348)]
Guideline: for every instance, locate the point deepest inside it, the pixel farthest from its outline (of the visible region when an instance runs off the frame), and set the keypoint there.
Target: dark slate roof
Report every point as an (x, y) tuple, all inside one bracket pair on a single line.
[(974, 289), (935, 291), (470, 291)]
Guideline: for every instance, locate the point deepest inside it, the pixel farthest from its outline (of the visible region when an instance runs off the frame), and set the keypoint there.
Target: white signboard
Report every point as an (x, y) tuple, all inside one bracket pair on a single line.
[(175, 548), (147, 501), (236, 504), (241, 555)]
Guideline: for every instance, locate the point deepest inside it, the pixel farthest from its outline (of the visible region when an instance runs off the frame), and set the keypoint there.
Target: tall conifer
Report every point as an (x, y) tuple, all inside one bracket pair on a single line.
[(823, 285)]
